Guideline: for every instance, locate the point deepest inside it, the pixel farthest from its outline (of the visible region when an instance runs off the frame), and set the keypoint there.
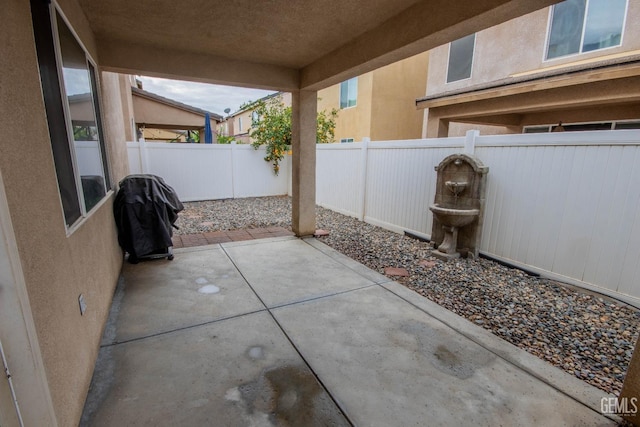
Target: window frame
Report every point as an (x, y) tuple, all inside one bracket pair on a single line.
[(545, 52), (473, 60), (57, 98), (355, 100), (568, 126)]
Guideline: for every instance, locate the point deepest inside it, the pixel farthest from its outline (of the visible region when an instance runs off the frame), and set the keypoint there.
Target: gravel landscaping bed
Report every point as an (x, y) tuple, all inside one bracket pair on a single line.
[(589, 336)]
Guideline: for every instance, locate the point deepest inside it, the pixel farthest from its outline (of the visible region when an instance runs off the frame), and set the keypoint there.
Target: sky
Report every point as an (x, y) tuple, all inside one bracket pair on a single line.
[(214, 98)]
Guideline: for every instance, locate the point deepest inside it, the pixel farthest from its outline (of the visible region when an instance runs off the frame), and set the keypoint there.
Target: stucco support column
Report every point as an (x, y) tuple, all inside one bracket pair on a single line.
[(436, 127), (303, 141), (631, 388)]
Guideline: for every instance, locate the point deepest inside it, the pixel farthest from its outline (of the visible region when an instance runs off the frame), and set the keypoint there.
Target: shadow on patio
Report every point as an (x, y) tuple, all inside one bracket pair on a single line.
[(284, 331)]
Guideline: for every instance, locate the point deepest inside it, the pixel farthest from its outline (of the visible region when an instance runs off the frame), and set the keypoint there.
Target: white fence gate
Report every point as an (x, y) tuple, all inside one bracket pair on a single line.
[(565, 205)]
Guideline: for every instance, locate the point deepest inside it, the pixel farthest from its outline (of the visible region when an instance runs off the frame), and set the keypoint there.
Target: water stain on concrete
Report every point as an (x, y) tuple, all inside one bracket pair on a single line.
[(209, 289), (450, 356), (290, 396), (255, 353)]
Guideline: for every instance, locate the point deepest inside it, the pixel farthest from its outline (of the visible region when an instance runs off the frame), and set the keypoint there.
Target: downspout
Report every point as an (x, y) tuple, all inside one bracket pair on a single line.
[(13, 391)]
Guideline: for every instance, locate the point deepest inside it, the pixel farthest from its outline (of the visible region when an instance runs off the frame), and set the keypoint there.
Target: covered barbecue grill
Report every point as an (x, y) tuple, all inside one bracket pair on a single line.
[(145, 210)]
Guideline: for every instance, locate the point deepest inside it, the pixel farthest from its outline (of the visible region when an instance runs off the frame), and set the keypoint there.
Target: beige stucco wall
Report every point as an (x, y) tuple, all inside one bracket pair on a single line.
[(245, 117), (385, 108), (126, 98), (57, 267), (353, 122), (114, 97), (460, 129), (517, 46), (155, 114), (395, 89)]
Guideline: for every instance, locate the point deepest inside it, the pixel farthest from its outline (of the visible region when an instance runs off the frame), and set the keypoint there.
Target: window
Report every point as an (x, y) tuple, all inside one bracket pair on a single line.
[(576, 127), (627, 125), (460, 58), (255, 117), (579, 26), (239, 124), (349, 93), (344, 140), (73, 113)]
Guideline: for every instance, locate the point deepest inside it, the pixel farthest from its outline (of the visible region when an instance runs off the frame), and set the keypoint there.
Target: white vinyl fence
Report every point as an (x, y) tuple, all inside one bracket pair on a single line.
[(210, 171), (565, 205)]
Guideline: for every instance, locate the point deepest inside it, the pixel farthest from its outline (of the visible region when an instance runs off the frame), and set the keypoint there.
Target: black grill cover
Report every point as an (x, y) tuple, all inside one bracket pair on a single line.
[(145, 210)]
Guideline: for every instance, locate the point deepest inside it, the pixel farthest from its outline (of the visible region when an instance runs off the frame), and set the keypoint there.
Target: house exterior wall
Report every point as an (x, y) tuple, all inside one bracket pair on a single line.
[(518, 47), (130, 129), (242, 134), (385, 108), (58, 266), (395, 88), (155, 114), (353, 122)]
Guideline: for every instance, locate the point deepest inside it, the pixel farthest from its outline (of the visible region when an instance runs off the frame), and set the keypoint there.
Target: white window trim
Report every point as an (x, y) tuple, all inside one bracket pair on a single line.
[(84, 214), (545, 49), (473, 61)]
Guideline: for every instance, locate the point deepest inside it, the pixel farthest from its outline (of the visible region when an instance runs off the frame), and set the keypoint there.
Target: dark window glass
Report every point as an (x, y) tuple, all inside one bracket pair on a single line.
[(461, 58), (585, 25), (536, 129), (587, 126), (349, 93), (67, 183), (81, 97), (630, 125), (566, 28)]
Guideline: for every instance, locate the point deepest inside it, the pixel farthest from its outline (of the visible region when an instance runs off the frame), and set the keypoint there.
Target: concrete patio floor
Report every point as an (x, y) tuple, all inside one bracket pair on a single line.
[(284, 331)]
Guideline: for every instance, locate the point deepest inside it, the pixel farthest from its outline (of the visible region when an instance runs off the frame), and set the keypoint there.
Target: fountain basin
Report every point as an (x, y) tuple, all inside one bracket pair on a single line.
[(453, 217)]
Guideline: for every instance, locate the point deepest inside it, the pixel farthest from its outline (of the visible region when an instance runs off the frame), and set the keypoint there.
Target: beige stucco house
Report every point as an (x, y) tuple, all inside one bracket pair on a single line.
[(165, 119), (58, 243), (238, 124), (378, 105), (575, 63)]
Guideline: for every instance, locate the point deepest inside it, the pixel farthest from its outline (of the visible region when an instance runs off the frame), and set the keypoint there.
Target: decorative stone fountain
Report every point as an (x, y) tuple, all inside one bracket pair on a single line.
[(458, 206)]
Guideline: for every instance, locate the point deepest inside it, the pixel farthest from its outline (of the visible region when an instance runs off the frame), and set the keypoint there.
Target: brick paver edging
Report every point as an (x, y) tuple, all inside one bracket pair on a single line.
[(213, 237)]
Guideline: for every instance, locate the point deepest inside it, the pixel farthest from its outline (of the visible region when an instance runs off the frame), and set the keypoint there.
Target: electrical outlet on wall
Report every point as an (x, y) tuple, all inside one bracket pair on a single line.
[(83, 304)]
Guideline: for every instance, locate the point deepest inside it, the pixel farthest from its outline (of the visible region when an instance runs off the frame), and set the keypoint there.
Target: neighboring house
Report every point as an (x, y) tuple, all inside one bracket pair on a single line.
[(577, 62), (162, 119), (146, 114), (238, 124), (378, 104)]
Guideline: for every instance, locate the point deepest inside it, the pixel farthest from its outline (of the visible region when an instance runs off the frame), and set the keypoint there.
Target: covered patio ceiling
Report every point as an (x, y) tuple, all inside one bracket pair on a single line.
[(280, 44)]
